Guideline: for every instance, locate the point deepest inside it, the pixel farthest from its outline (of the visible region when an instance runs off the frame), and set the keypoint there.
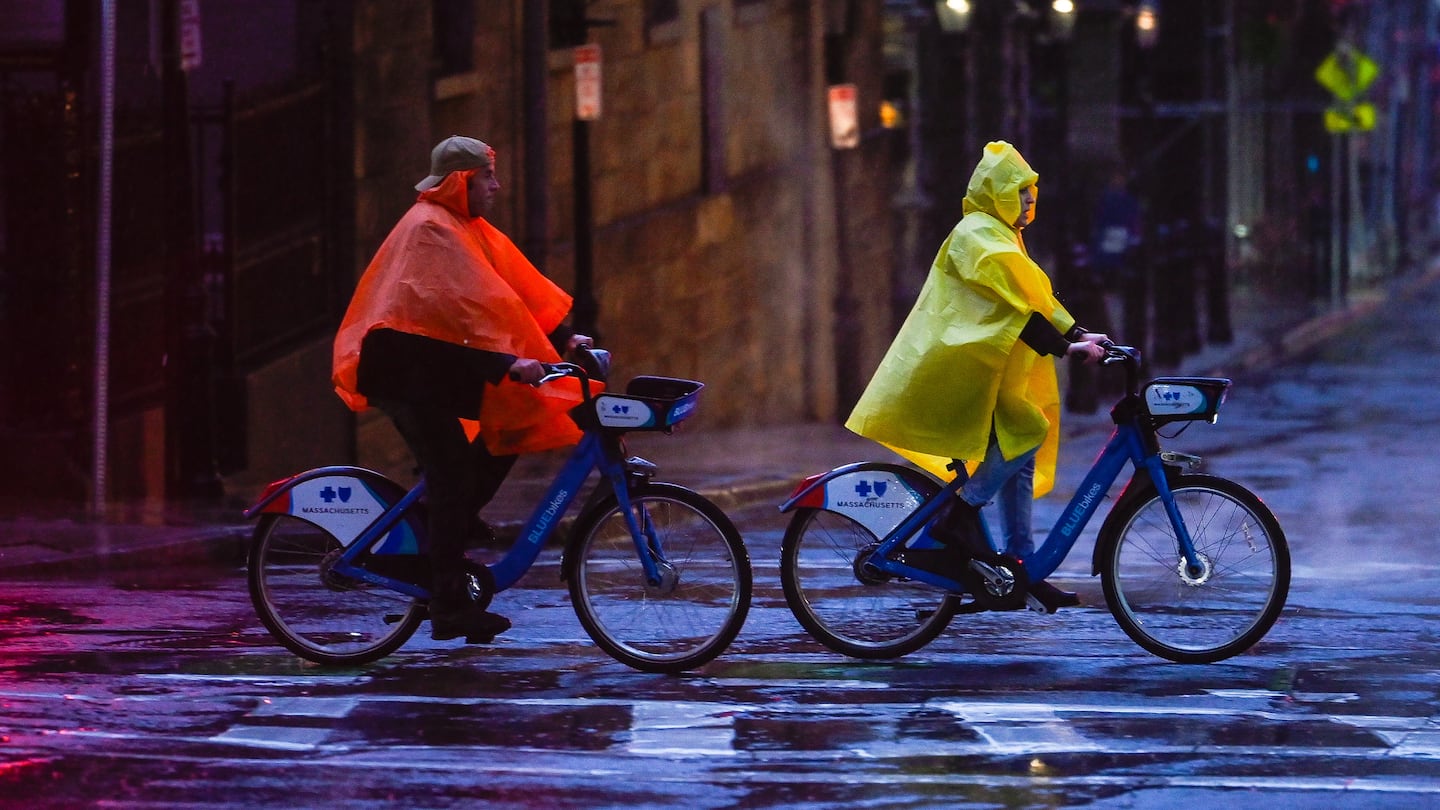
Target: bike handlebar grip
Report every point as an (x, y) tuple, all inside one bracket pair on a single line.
[(551, 370)]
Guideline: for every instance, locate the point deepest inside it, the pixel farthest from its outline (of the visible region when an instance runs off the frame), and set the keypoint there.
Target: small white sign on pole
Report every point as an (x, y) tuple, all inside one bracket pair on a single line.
[(587, 82), (844, 117)]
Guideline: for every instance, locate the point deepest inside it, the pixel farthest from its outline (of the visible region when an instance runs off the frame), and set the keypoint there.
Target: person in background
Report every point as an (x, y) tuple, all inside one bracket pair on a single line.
[(446, 327), (971, 373)]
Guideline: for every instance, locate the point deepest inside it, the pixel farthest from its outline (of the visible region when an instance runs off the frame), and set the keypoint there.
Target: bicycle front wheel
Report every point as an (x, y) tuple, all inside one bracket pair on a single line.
[(1195, 616), (851, 610), (315, 613), (698, 605)]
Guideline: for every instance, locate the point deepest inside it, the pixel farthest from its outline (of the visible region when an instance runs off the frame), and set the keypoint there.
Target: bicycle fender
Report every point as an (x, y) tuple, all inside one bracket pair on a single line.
[(342, 500), (875, 494)]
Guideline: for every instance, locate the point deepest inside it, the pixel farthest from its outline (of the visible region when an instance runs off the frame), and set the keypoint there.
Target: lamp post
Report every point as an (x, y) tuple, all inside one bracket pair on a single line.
[(1086, 298), (1136, 295), (954, 15), (1147, 25)]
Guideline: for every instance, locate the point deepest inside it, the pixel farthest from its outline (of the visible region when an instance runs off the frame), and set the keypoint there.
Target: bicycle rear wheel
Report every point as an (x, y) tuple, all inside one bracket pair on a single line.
[(1195, 616), (845, 608), (315, 613), (700, 603)]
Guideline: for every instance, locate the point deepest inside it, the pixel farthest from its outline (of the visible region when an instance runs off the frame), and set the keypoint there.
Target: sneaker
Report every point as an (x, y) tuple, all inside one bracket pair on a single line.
[(958, 527), (1052, 597), (477, 625)]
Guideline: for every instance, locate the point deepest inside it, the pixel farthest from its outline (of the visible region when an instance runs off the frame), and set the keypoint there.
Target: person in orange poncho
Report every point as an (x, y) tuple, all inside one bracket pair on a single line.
[(971, 375), (446, 328)]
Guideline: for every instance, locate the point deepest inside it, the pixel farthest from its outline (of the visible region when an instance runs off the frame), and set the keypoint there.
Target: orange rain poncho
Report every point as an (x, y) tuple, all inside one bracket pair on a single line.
[(445, 275), (956, 367)]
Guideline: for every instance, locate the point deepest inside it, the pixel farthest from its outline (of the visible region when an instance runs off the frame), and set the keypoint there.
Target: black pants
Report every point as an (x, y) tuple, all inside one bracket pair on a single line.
[(460, 478)]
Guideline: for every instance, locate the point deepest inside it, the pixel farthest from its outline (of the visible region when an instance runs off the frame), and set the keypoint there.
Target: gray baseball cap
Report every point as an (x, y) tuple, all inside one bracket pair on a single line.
[(454, 154)]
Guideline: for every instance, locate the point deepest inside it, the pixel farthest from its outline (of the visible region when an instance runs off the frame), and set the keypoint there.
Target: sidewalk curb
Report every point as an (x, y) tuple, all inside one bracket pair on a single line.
[(1314, 331), (112, 548)]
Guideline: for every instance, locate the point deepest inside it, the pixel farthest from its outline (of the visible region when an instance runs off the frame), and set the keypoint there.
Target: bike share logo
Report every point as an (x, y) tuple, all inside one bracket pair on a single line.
[(336, 502), (552, 510), (329, 493), (682, 410), (870, 494), (1081, 509), (618, 412), (1167, 400)]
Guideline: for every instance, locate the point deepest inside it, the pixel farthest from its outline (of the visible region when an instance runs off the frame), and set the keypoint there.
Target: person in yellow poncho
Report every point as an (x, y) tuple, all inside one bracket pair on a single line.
[(970, 376), (446, 325)]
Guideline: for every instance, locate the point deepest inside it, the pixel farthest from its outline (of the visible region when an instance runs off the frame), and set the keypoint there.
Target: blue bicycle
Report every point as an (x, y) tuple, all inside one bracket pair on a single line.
[(1194, 568), (658, 575)]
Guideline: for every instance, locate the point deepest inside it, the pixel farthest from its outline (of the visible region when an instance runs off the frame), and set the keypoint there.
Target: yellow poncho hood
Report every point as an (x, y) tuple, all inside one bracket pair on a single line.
[(957, 368)]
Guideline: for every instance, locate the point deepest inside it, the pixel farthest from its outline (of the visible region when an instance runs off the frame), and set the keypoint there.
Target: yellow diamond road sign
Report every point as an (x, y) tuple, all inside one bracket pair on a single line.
[(1347, 73)]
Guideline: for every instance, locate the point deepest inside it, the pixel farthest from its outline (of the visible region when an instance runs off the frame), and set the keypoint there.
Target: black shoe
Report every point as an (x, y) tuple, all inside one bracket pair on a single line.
[(1052, 597), (958, 527), (477, 625)]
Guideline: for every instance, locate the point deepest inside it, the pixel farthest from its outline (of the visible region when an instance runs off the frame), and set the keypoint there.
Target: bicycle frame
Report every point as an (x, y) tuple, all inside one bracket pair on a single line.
[(600, 448), (590, 454)]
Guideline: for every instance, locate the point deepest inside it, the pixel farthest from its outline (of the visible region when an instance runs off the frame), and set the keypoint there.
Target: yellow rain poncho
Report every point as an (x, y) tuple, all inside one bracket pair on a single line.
[(957, 366)]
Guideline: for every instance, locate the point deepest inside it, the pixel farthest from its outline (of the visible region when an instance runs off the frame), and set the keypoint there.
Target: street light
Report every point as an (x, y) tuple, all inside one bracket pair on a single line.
[(954, 15), (1062, 19), (1147, 25)]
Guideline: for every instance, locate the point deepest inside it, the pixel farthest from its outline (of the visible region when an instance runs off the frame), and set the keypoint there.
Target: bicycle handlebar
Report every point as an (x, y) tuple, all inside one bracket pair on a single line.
[(599, 359), (1115, 353)]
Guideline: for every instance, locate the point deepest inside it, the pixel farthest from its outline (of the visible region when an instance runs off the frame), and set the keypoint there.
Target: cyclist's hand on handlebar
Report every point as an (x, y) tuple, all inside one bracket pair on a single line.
[(576, 341), (1088, 351), (1095, 337), (527, 370)]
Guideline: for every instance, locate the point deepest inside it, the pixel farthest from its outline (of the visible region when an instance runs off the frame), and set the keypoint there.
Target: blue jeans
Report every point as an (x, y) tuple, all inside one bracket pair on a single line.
[(1012, 485)]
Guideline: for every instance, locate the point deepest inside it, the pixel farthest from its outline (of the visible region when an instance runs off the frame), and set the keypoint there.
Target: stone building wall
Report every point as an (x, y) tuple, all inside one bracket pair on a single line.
[(734, 285)]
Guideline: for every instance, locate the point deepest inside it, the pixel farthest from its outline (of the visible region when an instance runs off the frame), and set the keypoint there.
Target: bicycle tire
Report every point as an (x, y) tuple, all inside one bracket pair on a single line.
[(878, 619), (1190, 617), (699, 608), (318, 616)]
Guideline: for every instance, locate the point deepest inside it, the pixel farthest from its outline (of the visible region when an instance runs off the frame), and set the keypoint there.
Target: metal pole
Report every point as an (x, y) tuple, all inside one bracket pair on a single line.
[(585, 307), (536, 51), (99, 487), (1337, 240)]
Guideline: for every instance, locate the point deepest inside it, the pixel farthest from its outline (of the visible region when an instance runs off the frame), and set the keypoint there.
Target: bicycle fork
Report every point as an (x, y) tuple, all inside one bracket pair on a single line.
[(1195, 568), (635, 472)]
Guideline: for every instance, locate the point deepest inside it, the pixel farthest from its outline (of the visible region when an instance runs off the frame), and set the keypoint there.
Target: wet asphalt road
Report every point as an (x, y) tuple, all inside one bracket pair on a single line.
[(159, 688), (160, 691)]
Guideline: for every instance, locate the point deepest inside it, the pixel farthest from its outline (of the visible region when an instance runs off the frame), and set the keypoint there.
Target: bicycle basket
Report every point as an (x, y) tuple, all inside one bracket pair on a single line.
[(649, 403), (1179, 399)]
